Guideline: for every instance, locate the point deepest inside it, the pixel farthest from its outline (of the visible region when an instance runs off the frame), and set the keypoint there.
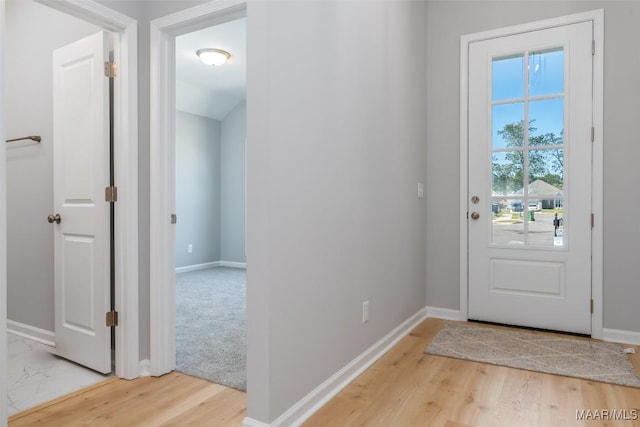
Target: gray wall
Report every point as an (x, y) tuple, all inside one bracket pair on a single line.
[(210, 187), (335, 146), (29, 101), (197, 189), (232, 192), (446, 22)]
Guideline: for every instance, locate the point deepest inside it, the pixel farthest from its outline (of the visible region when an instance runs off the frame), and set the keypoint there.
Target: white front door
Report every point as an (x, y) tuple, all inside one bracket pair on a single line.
[(529, 201), (81, 173)]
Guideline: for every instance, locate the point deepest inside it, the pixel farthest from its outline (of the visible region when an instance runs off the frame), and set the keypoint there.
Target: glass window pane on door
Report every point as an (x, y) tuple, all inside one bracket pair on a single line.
[(507, 170), (545, 195), (527, 149), (507, 223), (546, 173), (544, 227), (507, 124), (546, 122), (507, 80), (546, 72)]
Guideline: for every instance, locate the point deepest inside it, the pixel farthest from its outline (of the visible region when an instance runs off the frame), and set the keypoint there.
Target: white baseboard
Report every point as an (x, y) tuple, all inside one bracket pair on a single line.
[(144, 368), (250, 422), (196, 267), (443, 313), (622, 337), (313, 401), (212, 264), (233, 264), (31, 332)]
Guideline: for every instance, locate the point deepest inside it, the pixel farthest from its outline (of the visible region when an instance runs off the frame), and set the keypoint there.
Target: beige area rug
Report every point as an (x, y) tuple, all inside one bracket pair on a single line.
[(597, 361)]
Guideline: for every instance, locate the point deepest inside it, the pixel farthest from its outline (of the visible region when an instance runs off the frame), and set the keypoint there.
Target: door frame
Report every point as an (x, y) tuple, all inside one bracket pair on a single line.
[(162, 168), (126, 172), (3, 235), (126, 177), (597, 18)]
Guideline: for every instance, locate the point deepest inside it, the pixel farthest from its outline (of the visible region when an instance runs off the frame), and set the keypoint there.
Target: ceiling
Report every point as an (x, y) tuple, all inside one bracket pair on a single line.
[(211, 91)]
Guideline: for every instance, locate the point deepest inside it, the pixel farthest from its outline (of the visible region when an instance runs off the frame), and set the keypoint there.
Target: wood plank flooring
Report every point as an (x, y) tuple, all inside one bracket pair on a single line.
[(172, 400), (404, 388), (409, 388)]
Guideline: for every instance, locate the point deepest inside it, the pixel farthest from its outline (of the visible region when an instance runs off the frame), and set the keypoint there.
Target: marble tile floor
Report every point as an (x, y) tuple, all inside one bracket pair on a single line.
[(36, 375)]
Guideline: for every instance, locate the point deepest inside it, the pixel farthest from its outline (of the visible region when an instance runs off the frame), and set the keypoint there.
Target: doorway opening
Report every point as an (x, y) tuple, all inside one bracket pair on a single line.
[(59, 20), (44, 360), (163, 217), (210, 297)]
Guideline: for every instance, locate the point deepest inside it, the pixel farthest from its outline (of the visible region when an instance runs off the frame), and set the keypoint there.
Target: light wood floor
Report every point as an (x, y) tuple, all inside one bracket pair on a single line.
[(404, 388), (409, 388), (172, 400)]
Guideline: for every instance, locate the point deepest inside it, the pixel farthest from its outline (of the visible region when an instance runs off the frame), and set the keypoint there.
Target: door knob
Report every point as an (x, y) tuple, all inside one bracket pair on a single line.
[(475, 215), (54, 218)]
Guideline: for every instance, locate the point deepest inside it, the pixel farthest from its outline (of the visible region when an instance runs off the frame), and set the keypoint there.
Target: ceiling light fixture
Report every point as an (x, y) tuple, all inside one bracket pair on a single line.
[(213, 57)]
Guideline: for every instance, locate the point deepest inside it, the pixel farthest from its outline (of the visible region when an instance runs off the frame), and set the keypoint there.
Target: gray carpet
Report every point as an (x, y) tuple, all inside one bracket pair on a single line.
[(211, 325), (587, 359)]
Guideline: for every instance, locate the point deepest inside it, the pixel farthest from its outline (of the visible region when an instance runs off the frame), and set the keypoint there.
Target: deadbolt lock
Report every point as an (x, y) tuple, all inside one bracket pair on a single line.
[(475, 200)]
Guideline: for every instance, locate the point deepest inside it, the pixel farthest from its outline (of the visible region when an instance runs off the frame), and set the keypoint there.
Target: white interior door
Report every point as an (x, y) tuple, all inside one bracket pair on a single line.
[(530, 149), (81, 173)]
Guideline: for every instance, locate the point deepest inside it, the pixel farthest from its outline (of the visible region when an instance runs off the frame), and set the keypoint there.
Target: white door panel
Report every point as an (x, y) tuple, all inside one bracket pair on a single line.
[(530, 112), (81, 173)]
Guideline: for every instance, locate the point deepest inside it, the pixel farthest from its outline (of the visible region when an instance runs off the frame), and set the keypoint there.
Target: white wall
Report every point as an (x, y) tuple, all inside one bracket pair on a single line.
[(446, 22), (232, 191), (335, 147), (29, 97), (198, 151)]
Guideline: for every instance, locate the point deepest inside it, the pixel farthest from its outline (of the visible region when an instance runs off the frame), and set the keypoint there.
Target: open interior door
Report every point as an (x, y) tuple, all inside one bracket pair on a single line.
[(81, 216)]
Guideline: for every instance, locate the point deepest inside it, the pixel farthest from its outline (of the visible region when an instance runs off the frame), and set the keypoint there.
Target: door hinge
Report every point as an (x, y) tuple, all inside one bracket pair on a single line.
[(591, 307), (111, 194), (112, 318), (593, 47), (593, 134), (593, 220), (111, 69), (174, 219)]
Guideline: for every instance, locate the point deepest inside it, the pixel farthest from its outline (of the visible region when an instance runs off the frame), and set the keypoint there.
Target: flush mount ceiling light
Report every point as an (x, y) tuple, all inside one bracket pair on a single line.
[(213, 57)]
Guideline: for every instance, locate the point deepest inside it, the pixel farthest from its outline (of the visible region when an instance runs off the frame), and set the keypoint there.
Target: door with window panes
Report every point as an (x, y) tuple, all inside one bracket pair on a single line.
[(529, 204)]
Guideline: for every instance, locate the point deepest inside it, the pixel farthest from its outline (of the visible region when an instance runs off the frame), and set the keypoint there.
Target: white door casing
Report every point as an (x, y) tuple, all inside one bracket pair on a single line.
[(81, 173), (126, 174), (125, 30), (522, 281), (3, 233), (162, 169)]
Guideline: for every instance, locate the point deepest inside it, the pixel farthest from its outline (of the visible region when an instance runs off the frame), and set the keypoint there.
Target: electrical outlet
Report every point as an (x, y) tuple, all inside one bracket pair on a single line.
[(420, 191), (365, 312), (189, 249)]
